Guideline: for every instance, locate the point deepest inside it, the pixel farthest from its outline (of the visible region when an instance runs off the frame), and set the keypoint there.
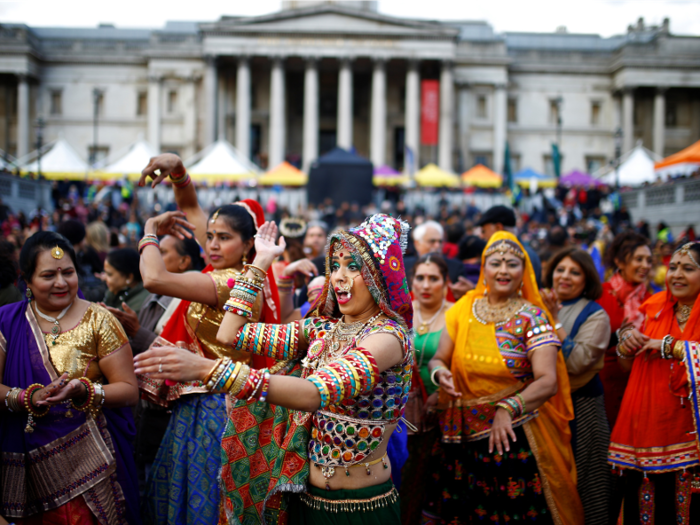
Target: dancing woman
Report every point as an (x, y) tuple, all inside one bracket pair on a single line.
[(655, 439), (504, 392), (182, 485), (67, 380), (328, 443)]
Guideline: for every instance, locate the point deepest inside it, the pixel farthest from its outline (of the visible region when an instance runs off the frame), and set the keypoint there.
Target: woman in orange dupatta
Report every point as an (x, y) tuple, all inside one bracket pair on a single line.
[(506, 405), (655, 440)]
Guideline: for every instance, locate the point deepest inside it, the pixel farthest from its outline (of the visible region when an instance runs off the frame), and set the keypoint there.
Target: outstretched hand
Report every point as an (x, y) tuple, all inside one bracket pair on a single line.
[(171, 362), (266, 249), (170, 223), (167, 164)]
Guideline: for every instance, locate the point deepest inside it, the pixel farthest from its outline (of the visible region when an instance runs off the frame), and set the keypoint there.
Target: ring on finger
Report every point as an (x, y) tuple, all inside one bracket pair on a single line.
[(160, 368)]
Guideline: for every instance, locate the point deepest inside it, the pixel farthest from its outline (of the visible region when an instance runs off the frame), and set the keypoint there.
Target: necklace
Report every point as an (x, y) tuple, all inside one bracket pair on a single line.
[(424, 326), (56, 330), (485, 313), (683, 312)]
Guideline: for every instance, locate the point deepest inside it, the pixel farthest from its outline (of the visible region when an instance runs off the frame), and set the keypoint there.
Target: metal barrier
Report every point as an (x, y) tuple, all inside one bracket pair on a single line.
[(25, 195), (676, 203)]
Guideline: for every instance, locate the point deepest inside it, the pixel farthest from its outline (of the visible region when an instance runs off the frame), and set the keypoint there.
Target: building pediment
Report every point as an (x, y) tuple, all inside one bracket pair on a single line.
[(329, 19)]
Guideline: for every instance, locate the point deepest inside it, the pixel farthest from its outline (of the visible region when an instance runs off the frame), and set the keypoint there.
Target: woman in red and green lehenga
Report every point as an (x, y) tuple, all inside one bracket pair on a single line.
[(654, 443)]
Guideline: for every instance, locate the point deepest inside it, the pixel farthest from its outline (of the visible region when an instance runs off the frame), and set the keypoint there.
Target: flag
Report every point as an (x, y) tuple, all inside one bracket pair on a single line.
[(556, 160), (509, 180)]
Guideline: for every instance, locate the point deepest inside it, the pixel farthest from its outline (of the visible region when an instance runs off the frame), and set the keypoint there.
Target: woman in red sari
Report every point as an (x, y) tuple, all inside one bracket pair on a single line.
[(630, 257), (655, 440)]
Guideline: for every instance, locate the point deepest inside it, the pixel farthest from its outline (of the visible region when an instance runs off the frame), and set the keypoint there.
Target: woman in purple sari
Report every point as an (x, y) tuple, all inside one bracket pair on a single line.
[(67, 379)]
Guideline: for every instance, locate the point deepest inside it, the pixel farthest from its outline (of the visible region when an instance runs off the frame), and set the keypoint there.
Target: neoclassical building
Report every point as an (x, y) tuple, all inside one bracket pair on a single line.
[(293, 84)]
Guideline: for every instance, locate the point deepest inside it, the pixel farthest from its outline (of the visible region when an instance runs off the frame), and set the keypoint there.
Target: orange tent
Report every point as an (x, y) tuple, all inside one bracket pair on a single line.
[(285, 175), (684, 162), (482, 177)]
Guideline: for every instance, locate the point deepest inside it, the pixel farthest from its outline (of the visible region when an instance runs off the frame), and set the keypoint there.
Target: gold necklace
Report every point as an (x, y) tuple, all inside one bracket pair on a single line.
[(683, 312), (486, 313), (424, 326)]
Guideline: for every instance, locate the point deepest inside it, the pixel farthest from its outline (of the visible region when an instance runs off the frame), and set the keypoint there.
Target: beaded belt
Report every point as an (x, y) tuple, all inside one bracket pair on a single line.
[(350, 505)]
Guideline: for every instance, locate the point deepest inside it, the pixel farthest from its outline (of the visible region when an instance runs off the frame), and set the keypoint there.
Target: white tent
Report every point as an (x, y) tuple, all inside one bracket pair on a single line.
[(636, 168), (9, 163), (58, 161), (221, 162), (128, 163)]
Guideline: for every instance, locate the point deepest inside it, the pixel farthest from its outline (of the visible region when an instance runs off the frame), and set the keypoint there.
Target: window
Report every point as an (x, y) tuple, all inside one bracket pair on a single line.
[(481, 111), (482, 157), (514, 163), (172, 101), (56, 102), (554, 110), (671, 114), (97, 154), (595, 113), (512, 110), (142, 103), (549, 165), (594, 163)]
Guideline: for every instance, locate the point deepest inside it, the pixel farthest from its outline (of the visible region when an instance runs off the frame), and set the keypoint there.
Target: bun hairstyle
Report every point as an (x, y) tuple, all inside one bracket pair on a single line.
[(623, 247), (237, 218), (37, 243), (189, 248), (126, 262)]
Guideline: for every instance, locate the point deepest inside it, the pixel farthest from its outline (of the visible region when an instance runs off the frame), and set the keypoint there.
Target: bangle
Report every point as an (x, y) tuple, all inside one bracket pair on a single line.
[(180, 182), (558, 326), (211, 372), (265, 388), (621, 355), (31, 408), (505, 406), (679, 350), (257, 271), (434, 371), (90, 387), (148, 240), (522, 400), (667, 347), (14, 399)]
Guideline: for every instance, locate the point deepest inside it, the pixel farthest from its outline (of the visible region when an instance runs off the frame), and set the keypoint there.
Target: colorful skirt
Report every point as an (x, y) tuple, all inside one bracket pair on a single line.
[(470, 485), (378, 505), (183, 486)]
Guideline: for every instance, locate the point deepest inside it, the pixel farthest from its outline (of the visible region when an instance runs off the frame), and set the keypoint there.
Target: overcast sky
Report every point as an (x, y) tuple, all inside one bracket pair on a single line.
[(605, 17)]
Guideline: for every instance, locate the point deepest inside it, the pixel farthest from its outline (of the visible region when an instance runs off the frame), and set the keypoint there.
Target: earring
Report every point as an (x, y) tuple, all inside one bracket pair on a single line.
[(520, 292), (245, 258), (28, 293)]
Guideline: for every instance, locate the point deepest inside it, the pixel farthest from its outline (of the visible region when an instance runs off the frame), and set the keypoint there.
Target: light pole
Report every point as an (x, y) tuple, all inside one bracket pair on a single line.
[(559, 101), (39, 124), (96, 94), (618, 150)]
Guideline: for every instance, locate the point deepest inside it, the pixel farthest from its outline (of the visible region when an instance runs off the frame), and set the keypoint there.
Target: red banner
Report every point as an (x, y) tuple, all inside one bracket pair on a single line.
[(430, 112)]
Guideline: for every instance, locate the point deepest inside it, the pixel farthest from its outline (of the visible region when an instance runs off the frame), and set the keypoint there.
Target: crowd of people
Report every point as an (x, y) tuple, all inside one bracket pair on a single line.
[(176, 365)]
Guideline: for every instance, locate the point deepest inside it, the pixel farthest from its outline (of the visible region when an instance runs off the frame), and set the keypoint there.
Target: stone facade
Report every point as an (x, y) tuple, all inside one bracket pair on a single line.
[(295, 83)]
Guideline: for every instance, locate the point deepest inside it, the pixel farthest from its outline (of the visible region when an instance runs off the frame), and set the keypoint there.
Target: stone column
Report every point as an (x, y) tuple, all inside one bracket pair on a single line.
[(445, 138), (22, 116), (659, 120), (310, 148), (221, 107), (412, 118), (345, 104), (277, 113), (210, 89), (378, 118), (500, 115), (243, 107), (189, 97), (627, 119), (463, 122), (154, 105)]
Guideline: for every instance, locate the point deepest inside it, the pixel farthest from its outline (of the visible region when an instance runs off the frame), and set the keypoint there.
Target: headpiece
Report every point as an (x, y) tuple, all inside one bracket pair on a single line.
[(293, 227), (503, 247), (57, 252), (379, 242), (685, 250), (215, 216)]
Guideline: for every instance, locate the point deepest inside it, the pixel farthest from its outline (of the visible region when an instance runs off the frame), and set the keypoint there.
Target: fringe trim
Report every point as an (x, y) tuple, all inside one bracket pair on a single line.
[(350, 505)]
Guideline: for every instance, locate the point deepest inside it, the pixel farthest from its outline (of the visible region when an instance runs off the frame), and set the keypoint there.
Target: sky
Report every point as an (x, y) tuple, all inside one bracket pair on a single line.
[(604, 17)]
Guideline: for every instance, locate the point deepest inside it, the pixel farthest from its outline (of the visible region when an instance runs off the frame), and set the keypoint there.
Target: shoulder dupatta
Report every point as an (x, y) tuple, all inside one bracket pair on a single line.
[(549, 434), (692, 364), (63, 458)]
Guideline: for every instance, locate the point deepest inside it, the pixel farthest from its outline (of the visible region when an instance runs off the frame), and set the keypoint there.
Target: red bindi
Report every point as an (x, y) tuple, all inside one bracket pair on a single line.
[(341, 254)]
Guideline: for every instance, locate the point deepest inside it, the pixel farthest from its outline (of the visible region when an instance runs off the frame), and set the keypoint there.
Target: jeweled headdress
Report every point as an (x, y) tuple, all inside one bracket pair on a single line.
[(685, 250), (379, 242), (503, 247)]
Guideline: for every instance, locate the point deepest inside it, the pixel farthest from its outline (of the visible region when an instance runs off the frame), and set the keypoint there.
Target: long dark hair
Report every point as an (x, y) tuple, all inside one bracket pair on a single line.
[(40, 241), (238, 219), (431, 258), (623, 247), (126, 262), (189, 248), (593, 288)]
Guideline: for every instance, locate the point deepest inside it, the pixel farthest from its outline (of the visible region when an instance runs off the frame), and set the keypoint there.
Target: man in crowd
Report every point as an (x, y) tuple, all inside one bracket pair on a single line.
[(315, 239)]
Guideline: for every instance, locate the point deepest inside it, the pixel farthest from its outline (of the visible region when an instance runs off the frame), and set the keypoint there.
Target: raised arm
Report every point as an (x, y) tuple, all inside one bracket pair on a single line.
[(171, 165)]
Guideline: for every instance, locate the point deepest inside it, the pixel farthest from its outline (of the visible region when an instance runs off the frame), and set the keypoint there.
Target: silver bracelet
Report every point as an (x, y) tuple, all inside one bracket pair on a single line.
[(434, 371)]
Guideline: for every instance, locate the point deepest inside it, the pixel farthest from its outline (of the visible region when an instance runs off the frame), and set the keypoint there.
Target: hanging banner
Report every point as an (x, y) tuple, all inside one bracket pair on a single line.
[(429, 112)]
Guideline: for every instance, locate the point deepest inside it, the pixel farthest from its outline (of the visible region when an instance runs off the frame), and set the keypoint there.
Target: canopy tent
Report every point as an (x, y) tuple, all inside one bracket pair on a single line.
[(636, 167), (341, 176), (285, 175), (434, 177), (529, 177), (482, 177), (58, 161), (129, 163), (684, 162), (7, 161), (388, 176), (221, 162), (579, 178)]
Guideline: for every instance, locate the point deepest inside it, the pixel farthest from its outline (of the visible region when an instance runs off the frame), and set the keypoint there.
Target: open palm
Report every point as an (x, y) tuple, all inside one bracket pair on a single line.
[(265, 245)]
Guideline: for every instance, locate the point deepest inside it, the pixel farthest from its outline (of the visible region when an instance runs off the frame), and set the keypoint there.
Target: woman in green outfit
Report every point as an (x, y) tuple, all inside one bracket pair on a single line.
[(123, 279), (429, 287)]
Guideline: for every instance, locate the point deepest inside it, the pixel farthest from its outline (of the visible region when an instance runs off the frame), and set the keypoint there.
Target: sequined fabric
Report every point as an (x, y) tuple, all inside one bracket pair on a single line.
[(348, 433), (205, 320), (78, 350)]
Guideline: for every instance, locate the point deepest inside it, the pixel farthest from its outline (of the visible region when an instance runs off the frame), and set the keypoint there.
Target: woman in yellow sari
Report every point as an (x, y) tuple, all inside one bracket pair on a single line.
[(505, 453)]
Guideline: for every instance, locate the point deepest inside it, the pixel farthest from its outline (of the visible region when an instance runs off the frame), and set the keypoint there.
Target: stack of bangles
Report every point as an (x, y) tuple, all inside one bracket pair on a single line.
[(672, 348), (285, 284), (243, 296), (149, 239), (514, 405), (347, 377), (94, 400), (239, 380), (182, 181)]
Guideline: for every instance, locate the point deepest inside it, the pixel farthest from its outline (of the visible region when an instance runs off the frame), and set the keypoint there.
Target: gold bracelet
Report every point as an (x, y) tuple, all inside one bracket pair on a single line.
[(241, 379), (211, 372), (679, 350), (255, 269), (232, 378)]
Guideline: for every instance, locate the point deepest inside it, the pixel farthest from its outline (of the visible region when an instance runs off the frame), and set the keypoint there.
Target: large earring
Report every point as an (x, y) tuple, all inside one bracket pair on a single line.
[(245, 258), (28, 293), (520, 292)]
